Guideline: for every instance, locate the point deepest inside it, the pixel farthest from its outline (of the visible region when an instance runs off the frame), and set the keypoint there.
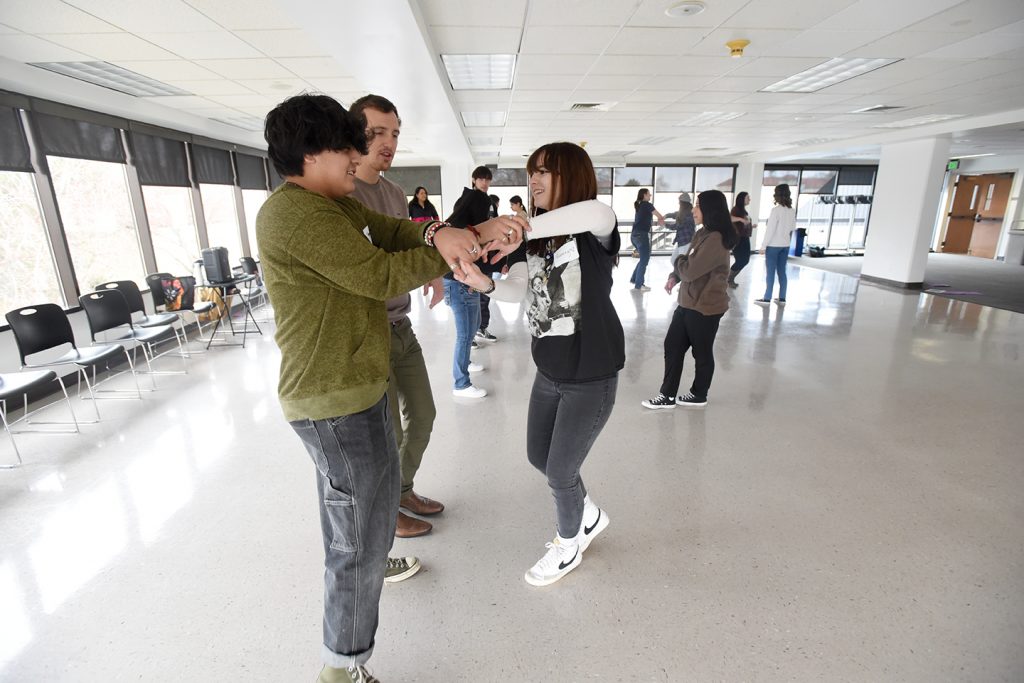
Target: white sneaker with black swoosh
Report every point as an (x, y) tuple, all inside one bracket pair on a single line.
[(563, 555), (595, 520)]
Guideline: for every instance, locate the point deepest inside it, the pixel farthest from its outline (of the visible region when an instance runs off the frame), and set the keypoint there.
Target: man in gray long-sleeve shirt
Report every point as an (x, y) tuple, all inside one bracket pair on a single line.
[(409, 394)]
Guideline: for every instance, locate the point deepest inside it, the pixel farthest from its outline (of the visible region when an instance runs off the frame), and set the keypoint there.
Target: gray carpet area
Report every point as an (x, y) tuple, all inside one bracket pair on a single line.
[(980, 281)]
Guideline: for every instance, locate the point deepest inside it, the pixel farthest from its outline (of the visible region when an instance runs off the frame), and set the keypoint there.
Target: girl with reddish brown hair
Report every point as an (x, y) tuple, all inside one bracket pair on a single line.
[(565, 274)]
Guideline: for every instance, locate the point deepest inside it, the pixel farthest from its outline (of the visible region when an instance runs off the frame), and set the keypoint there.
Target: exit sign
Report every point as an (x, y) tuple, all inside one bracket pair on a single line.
[(953, 165)]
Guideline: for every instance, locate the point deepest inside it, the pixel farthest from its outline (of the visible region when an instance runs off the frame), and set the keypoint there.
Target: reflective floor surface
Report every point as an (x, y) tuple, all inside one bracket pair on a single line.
[(848, 508)]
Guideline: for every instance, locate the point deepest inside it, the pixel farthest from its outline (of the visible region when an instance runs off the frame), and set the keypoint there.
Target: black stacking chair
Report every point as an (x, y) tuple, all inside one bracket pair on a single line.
[(21, 383), (44, 327), (137, 310), (197, 308), (255, 290), (108, 310)]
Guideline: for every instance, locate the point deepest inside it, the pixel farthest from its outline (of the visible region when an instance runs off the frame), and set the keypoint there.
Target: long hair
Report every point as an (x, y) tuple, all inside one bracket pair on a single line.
[(782, 195), (572, 180), (715, 212), (639, 197), (416, 198), (739, 209)]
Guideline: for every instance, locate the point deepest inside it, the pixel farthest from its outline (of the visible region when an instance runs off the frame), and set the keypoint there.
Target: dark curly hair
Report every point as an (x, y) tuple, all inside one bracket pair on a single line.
[(309, 124)]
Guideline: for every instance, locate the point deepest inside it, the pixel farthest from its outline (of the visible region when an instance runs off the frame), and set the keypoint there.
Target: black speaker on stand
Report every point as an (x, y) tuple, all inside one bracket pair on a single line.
[(216, 264)]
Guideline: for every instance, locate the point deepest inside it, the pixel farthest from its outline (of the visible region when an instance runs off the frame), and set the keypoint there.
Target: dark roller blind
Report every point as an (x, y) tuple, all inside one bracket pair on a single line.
[(212, 165), (275, 177), (410, 177), (14, 154), (79, 139), (857, 175), (160, 161), (251, 172)]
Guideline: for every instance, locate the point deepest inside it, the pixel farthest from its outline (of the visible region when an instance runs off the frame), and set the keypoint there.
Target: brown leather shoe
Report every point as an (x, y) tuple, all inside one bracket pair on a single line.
[(420, 505), (410, 527)]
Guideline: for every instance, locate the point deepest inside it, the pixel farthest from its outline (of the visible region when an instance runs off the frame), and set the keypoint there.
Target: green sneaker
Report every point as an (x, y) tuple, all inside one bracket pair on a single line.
[(400, 568), (357, 674)]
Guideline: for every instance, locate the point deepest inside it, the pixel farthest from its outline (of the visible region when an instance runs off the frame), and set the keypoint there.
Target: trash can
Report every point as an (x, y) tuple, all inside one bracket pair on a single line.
[(798, 242)]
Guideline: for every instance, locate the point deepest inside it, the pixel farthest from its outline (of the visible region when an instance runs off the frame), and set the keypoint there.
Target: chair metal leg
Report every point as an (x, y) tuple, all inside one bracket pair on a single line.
[(7, 428)]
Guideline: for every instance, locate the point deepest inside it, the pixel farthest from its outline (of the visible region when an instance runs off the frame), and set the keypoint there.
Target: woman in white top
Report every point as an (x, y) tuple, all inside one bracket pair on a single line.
[(781, 223)]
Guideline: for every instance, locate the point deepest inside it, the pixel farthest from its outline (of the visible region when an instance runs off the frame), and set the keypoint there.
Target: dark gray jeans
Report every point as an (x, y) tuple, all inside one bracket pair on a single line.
[(563, 422), (358, 479)]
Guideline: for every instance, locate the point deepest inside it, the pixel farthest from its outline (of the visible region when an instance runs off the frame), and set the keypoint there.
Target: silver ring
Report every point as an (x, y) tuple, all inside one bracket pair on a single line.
[(474, 250), (453, 266), (509, 233)]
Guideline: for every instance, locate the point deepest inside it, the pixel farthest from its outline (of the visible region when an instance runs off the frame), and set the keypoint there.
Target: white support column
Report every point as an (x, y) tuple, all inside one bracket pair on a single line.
[(454, 177), (749, 176), (903, 213)]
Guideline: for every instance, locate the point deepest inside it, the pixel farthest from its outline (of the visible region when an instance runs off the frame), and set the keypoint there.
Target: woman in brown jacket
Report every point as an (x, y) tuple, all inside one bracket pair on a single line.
[(703, 273)]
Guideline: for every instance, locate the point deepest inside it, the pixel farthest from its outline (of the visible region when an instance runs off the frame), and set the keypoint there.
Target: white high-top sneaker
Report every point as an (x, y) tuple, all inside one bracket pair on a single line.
[(595, 520), (563, 555)]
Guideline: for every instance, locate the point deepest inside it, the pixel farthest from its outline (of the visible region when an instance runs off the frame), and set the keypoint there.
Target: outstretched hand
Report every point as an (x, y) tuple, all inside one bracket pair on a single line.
[(470, 275), (503, 235)]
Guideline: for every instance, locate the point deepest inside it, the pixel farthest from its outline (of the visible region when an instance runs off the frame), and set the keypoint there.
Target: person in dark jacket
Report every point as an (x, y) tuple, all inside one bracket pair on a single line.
[(420, 208), (744, 229)]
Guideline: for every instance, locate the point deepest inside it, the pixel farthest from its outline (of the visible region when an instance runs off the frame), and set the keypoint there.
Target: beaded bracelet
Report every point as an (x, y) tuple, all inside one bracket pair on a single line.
[(431, 230)]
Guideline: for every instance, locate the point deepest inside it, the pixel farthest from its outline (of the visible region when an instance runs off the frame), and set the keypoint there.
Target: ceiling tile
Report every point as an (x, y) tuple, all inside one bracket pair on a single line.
[(472, 13), (539, 95), (26, 48), (554, 64), (169, 70), (739, 83), (580, 13), (907, 44), (172, 16), (239, 15), (655, 41), (825, 44), (551, 40), (255, 69), (652, 13), (884, 15), (278, 88), (542, 82), (973, 16), (252, 101), (111, 46), (50, 16), (778, 67), (458, 40), (313, 67), (602, 82), (761, 42), (785, 14), (8, 30), (204, 45), (988, 44), (335, 84), (283, 43)]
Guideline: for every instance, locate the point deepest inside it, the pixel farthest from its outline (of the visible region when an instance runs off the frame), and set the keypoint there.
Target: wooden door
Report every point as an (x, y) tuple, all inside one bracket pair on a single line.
[(961, 215), (993, 196)]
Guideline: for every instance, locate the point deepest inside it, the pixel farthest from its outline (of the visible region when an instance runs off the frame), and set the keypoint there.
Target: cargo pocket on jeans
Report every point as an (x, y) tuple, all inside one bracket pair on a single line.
[(341, 511)]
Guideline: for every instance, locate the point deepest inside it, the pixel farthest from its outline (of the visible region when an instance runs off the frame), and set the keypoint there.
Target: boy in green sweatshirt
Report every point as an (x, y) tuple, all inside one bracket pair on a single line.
[(330, 264)]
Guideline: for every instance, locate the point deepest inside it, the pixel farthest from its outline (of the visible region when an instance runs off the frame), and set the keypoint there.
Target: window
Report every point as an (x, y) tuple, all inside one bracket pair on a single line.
[(772, 178), (674, 179), (714, 178), (628, 182), (172, 227), (222, 219), (252, 200), (25, 257), (98, 223)]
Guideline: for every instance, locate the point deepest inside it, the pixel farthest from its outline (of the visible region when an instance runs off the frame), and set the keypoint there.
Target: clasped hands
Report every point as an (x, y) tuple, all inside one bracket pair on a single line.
[(500, 236)]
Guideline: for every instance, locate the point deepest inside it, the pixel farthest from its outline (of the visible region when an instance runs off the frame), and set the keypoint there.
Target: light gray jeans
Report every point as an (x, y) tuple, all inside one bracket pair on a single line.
[(358, 479)]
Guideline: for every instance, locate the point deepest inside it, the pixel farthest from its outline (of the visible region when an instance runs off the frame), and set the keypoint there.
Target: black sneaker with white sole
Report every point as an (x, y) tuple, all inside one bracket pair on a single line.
[(659, 402), (688, 400)]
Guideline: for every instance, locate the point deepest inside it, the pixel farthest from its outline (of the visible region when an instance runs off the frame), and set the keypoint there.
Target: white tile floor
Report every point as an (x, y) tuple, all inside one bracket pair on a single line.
[(848, 507)]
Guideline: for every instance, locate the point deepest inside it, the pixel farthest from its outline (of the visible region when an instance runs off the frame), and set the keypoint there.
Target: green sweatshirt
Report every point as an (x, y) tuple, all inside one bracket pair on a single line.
[(329, 266)]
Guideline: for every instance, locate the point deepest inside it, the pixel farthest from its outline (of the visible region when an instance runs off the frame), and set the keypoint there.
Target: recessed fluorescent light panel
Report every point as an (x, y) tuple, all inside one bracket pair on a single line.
[(480, 72), (918, 121), (710, 118), (828, 73), (245, 122), (483, 118), (113, 77), (876, 109)]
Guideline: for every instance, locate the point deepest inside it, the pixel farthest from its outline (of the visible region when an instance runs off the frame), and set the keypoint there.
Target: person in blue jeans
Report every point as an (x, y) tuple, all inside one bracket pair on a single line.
[(641, 236), (465, 304), (781, 223)]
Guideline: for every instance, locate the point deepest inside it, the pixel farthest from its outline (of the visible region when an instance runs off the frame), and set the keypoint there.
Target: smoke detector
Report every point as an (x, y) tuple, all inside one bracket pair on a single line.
[(690, 8), (736, 47)]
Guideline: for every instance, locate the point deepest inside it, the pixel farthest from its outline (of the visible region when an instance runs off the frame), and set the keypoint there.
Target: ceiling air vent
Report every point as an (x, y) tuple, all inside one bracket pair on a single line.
[(591, 106), (712, 149)]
